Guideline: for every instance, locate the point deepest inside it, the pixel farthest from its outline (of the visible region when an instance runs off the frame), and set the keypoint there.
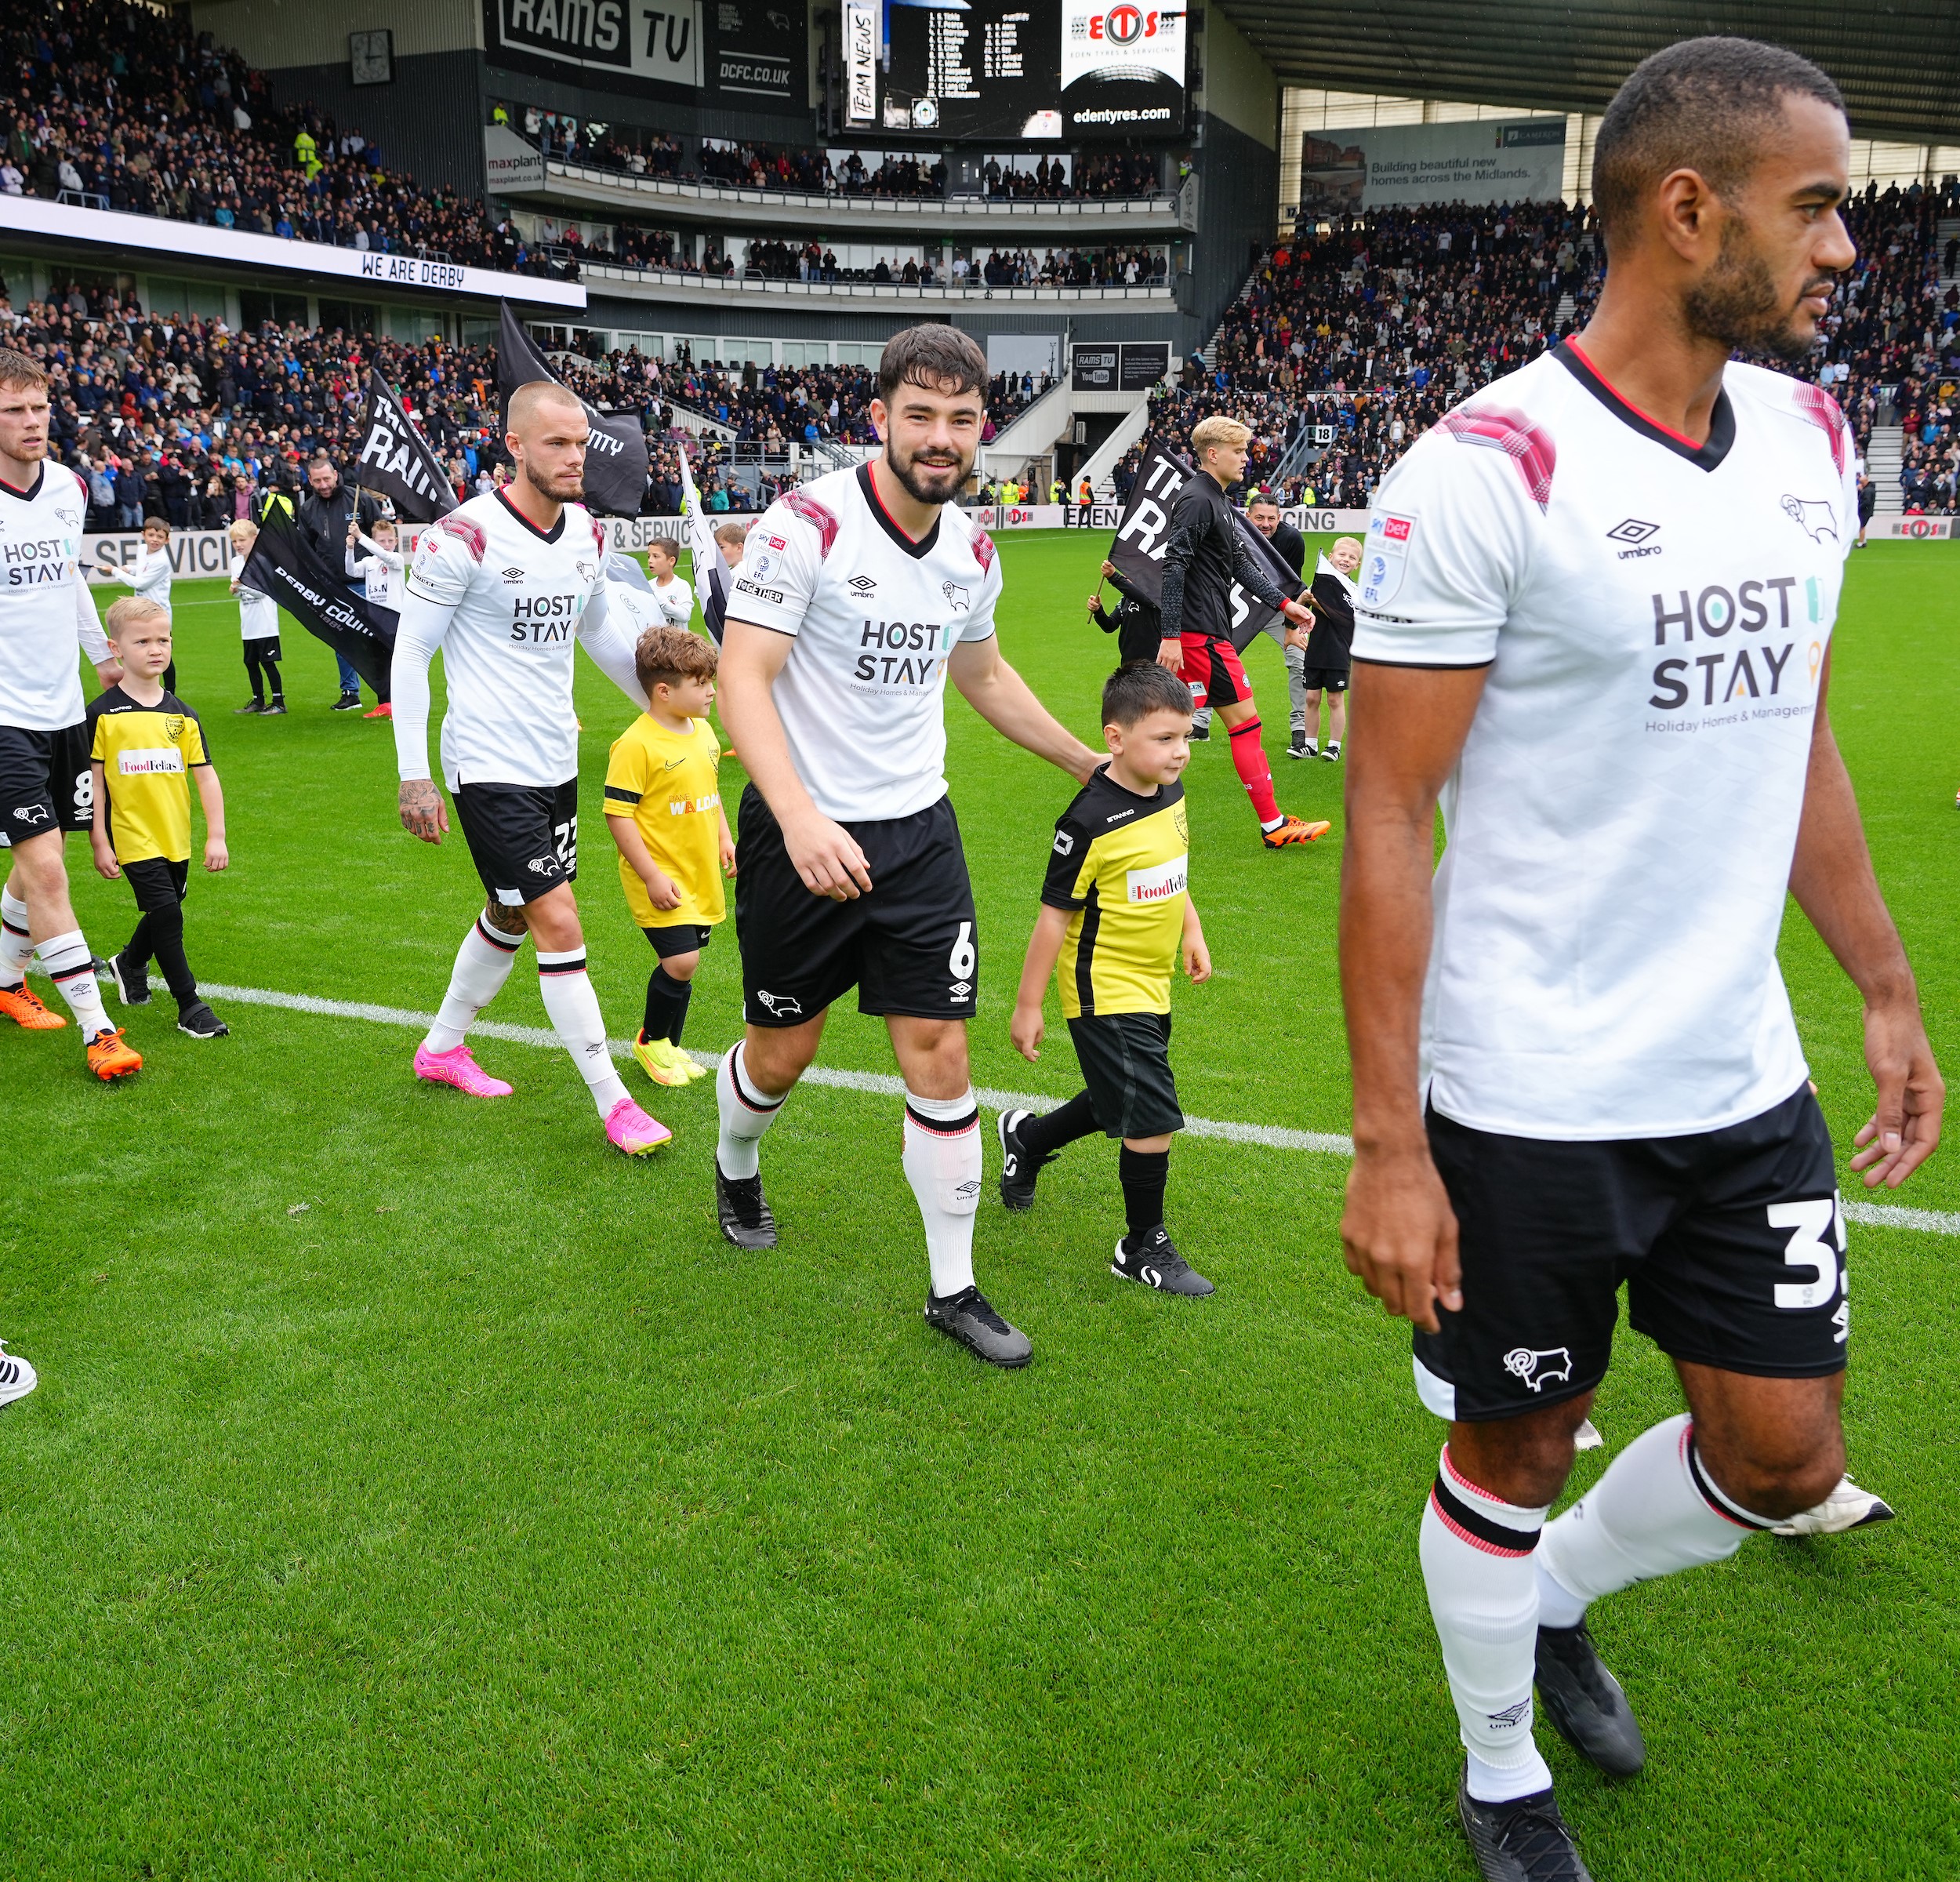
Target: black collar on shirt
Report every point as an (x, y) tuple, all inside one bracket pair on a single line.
[(34, 490), (1721, 421), (918, 551), (543, 536)]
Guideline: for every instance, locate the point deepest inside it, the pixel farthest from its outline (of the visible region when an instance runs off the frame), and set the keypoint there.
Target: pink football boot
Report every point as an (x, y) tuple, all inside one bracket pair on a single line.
[(633, 1130), (456, 1067)]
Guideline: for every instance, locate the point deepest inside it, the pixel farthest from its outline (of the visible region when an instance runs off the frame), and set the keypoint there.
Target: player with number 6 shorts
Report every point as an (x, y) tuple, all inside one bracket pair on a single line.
[(860, 594)]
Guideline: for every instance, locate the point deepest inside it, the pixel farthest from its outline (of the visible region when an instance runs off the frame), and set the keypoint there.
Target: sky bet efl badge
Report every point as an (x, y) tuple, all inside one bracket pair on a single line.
[(1387, 557)]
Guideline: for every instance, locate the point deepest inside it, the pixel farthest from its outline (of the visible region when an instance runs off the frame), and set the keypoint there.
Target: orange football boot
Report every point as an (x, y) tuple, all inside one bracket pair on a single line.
[(110, 1058), (1294, 830), (22, 1005)]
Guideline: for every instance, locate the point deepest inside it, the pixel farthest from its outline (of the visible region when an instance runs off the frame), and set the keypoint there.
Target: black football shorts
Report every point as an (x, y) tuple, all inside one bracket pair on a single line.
[(45, 782), (524, 838), (1125, 1063), (911, 947), (1730, 1243)]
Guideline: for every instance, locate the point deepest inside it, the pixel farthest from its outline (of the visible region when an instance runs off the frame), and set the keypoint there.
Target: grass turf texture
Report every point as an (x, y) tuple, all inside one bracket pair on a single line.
[(417, 1488)]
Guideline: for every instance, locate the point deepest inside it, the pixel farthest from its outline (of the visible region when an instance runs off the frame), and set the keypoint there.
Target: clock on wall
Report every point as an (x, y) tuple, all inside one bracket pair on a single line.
[(372, 56)]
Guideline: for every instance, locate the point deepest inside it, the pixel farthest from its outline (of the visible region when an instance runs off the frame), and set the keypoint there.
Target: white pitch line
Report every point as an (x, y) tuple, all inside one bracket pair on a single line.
[(1269, 1136)]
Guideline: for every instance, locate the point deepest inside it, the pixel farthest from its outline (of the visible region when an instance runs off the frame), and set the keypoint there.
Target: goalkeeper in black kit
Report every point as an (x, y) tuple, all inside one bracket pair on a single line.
[(1204, 555)]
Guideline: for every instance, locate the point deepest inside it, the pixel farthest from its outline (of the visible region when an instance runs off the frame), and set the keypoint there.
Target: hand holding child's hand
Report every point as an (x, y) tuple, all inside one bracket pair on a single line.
[(1197, 961), (1024, 1031), (216, 855), (662, 891), (106, 862)]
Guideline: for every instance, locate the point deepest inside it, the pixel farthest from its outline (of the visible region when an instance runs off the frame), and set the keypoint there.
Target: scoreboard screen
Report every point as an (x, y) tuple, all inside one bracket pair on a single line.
[(1015, 70)]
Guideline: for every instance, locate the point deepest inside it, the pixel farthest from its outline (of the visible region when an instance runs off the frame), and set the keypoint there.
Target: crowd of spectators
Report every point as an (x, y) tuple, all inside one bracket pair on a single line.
[(183, 418), (809, 170), (126, 107), (1374, 327), (1892, 346)]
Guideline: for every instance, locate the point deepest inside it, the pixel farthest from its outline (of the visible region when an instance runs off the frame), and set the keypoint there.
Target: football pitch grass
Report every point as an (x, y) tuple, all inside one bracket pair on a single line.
[(416, 1488)]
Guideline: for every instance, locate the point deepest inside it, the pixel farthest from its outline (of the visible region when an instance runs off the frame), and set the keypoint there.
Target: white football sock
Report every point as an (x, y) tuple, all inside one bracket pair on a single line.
[(1476, 1553), (67, 958), (574, 1011), (941, 1163), (16, 950), (483, 963), (1656, 1510), (745, 1114)]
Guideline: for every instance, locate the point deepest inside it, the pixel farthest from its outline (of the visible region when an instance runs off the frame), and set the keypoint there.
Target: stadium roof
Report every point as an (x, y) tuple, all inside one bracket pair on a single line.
[(1899, 65)]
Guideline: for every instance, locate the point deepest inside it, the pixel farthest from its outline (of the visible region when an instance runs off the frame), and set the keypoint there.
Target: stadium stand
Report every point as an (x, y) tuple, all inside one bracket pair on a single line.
[(123, 108), (805, 171), (1376, 327), (179, 417)]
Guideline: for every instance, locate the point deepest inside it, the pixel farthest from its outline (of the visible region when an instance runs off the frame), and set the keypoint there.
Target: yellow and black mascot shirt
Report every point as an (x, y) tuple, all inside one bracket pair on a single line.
[(146, 754), (1119, 864)]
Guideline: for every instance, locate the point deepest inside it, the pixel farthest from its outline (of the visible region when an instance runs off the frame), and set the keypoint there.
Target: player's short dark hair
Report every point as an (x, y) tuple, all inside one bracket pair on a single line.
[(672, 654), (1139, 688), (941, 358), (669, 544), (1704, 105), (18, 370)]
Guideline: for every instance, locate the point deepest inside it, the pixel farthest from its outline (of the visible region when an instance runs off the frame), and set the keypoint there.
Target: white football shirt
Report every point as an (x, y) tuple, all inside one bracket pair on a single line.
[(150, 575), (1621, 825), (45, 607), (508, 602), (258, 615), (875, 616), (675, 600)]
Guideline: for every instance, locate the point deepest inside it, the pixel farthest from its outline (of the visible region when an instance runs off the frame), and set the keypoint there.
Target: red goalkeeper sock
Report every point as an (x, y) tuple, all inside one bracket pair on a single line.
[(1249, 760)]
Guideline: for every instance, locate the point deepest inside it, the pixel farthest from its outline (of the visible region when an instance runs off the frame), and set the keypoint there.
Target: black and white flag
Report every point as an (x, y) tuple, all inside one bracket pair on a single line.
[(398, 462), (284, 565), (1142, 535), (615, 454)]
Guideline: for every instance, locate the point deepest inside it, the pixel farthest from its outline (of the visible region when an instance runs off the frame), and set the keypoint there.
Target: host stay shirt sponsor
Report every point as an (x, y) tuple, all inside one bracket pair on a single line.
[(45, 607), (520, 597), (875, 616), (1621, 825)]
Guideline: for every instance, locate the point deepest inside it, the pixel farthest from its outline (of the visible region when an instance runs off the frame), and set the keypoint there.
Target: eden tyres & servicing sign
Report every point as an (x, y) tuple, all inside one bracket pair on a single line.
[(1122, 68), (749, 49)]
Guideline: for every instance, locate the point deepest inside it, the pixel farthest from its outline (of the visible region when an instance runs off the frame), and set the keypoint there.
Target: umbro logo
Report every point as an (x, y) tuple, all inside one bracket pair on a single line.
[(1634, 532), (1511, 1716), (1535, 1367), (863, 584), (961, 989), (513, 575)]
